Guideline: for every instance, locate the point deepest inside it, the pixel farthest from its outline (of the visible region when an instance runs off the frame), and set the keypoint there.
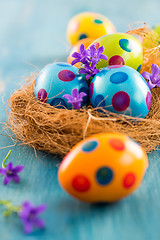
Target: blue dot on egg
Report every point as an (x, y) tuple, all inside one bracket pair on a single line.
[(125, 44), (85, 90), (62, 64), (99, 101), (139, 68), (118, 77), (82, 36), (98, 21), (90, 146), (104, 175), (58, 103)]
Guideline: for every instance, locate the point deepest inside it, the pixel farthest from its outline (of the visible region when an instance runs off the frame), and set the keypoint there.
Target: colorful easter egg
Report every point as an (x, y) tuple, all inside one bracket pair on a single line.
[(103, 168), (86, 42), (88, 25), (121, 89), (121, 49), (58, 79)]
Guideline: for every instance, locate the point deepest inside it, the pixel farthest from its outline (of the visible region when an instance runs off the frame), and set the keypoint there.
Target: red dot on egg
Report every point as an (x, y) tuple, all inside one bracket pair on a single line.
[(81, 183), (129, 180), (114, 66), (148, 100), (117, 144), (116, 60), (91, 89), (96, 44), (120, 101), (42, 95), (66, 75)]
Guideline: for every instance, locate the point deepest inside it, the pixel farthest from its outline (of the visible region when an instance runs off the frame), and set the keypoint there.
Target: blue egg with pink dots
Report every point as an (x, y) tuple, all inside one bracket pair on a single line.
[(120, 89), (58, 79)]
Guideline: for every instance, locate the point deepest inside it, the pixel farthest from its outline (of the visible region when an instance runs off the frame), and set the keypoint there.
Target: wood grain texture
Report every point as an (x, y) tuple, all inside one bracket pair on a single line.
[(34, 32)]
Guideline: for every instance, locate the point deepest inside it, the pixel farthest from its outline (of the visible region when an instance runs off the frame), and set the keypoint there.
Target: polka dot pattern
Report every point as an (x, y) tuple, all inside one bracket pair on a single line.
[(90, 146), (148, 100), (104, 175), (125, 44), (63, 64), (99, 101), (120, 101), (96, 44), (58, 103), (118, 77), (98, 21), (116, 60), (82, 36), (66, 75), (81, 183), (139, 68), (85, 90), (42, 95), (117, 144), (91, 89), (129, 180)]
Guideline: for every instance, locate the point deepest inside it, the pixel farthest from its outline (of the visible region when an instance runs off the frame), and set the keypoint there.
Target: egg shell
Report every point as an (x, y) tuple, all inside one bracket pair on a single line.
[(103, 168), (121, 89), (57, 79), (86, 42), (121, 49), (88, 25)]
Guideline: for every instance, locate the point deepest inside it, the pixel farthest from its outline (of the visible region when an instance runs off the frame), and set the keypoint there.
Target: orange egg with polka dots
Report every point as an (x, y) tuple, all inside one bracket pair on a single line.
[(103, 168), (88, 25)]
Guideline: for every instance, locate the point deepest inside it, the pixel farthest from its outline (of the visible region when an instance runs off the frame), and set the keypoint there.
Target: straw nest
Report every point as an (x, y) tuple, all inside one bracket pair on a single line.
[(58, 130)]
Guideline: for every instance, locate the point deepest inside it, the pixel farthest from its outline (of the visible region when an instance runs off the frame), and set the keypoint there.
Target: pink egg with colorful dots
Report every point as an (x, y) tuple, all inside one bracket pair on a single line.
[(57, 79), (121, 89), (121, 49), (103, 168)]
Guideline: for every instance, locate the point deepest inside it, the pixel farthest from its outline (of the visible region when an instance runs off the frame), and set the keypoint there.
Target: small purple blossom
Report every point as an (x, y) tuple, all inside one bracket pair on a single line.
[(89, 58), (29, 216), (82, 57), (153, 77), (11, 173), (88, 70), (76, 98), (96, 54)]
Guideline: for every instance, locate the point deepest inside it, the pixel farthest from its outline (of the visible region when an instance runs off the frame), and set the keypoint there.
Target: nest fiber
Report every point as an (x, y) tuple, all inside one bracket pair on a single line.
[(57, 130)]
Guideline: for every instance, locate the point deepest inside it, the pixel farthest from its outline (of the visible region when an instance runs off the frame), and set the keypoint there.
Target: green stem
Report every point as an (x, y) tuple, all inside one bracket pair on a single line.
[(10, 208), (4, 161)]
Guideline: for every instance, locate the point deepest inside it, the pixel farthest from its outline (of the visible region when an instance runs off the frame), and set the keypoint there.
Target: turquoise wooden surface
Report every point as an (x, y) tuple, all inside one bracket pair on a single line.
[(33, 33)]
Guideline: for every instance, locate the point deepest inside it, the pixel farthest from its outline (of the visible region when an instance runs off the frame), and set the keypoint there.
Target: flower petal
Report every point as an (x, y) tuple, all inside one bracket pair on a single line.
[(75, 61), (76, 55), (9, 166), (81, 48), (82, 94), (18, 169), (39, 209), (6, 180), (151, 85), (92, 50), (82, 71), (3, 171), (146, 75), (16, 178), (28, 227), (102, 56), (100, 50), (39, 223), (75, 93), (154, 70), (68, 97)]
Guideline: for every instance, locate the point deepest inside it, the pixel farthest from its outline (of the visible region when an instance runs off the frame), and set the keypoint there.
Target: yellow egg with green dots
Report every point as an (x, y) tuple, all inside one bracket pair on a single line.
[(88, 25), (121, 49)]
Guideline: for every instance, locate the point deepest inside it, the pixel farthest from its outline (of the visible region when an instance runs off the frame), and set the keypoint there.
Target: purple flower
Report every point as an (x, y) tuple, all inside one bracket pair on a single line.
[(96, 54), (29, 216), (153, 77), (76, 98), (11, 173), (89, 70), (82, 57)]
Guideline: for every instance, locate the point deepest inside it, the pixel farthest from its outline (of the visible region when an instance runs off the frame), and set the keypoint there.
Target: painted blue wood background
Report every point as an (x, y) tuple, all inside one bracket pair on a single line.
[(32, 32)]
